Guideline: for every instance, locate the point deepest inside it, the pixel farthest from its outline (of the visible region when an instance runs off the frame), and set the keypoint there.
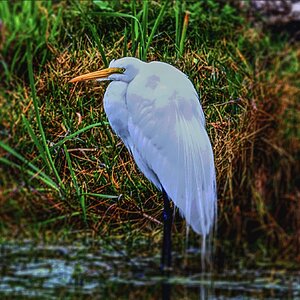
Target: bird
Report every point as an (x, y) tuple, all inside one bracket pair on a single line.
[(155, 110)]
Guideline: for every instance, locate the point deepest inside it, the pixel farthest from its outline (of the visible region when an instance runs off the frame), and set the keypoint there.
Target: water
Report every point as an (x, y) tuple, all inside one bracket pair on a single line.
[(29, 271)]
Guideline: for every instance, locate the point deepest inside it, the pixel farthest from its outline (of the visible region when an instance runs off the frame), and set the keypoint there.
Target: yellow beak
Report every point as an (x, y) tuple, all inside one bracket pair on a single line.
[(98, 74)]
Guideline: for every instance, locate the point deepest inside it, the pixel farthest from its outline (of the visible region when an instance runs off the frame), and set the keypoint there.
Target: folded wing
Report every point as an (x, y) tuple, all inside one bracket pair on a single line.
[(171, 145)]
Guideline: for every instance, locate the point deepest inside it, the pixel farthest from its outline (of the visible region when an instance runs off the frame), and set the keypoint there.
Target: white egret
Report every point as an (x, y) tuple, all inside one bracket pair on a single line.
[(154, 108)]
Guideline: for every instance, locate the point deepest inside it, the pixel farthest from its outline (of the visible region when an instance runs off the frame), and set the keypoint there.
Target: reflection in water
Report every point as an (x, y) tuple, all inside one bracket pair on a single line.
[(80, 272), (166, 290), (203, 286)]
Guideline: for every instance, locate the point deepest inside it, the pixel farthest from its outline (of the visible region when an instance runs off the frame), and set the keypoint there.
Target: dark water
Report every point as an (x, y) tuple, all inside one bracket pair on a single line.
[(29, 271)]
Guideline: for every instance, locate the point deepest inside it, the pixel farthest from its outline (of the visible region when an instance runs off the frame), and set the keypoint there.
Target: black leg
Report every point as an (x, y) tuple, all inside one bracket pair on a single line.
[(167, 219), (166, 291)]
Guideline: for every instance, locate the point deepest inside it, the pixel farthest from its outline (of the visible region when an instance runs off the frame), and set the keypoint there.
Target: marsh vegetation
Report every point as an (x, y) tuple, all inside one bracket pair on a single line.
[(63, 171)]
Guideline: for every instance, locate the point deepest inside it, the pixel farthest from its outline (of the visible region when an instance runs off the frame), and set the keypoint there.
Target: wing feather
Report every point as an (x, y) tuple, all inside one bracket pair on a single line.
[(169, 142), (115, 107)]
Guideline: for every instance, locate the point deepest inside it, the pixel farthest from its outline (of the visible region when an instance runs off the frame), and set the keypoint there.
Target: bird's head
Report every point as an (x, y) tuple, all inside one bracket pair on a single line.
[(123, 69)]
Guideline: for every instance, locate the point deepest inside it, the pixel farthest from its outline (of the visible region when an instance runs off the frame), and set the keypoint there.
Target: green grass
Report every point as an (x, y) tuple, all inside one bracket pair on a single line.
[(60, 163)]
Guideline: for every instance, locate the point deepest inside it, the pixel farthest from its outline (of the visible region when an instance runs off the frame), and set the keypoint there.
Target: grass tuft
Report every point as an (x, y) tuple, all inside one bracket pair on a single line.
[(60, 163)]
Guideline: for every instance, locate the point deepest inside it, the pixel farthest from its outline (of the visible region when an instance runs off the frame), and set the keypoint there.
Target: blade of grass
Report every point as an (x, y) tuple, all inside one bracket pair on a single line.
[(178, 18), (156, 24), (69, 137), (101, 195), (183, 33), (80, 196), (58, 20), (138, 27), (37, 115), (38, 175), (36, 141), (94, 33), (97, 41), (125, 50), (145, 19), (134, 28), (76, 213), (28, 163)]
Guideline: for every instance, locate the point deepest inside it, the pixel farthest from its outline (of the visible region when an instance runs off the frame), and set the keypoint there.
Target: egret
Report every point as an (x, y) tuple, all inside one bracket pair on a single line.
[(154, 108)]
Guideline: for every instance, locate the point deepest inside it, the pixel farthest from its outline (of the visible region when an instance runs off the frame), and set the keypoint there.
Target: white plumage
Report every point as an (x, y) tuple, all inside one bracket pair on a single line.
[(154, 108)]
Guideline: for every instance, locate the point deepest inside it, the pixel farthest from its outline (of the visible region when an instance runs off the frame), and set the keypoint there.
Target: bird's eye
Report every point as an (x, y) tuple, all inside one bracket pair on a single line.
[(122, 70)]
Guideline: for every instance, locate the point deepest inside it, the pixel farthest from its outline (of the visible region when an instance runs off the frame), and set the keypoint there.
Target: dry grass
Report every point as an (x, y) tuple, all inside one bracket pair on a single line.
[(251, 102)]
